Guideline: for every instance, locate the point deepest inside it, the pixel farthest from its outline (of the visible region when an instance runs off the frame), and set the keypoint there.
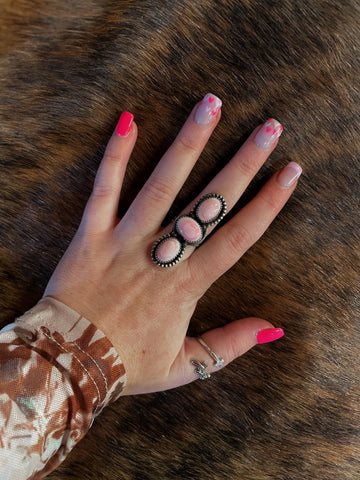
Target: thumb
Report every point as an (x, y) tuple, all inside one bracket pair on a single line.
[(228, 343)]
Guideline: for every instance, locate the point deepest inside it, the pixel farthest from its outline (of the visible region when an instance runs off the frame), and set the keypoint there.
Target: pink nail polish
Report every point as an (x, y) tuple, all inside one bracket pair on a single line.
[(269, 335), (124, 126), (207, 109), (288, 176), (268, 134)]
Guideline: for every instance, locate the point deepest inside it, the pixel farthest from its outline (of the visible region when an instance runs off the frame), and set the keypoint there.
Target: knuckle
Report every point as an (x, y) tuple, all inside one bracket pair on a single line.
[(158, 190), (246, 166), (189, 283), (101, 190), (271, 202), (111, 157), (187, 145), (239, 239)]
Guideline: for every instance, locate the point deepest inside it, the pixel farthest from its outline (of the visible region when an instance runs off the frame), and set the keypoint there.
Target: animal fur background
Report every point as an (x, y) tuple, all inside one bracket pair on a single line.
[(285, 411)]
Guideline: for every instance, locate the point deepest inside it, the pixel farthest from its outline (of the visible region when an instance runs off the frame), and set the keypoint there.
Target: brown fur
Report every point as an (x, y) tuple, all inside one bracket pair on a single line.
[(288, 410)]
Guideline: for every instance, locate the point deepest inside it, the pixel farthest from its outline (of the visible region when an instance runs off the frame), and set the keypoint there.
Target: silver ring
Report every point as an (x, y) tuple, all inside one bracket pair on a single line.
[(219, 362), (209, 210), (200, 369)]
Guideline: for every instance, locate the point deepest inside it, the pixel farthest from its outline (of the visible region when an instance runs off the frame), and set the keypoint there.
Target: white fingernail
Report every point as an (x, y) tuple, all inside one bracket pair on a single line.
[(268, 134), (207, 109)]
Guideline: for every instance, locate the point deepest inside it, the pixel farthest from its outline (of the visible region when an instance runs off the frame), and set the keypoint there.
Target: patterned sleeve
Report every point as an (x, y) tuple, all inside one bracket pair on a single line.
[(57, 372)]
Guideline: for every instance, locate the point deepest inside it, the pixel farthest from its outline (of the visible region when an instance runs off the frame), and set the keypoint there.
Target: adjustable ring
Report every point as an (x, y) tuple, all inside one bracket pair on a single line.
[(189, 229), (219, 362), (200, 369)]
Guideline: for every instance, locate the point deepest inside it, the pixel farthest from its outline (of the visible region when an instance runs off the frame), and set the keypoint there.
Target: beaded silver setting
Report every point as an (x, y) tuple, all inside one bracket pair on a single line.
[(173, 261), (176, 233), (218, 217)]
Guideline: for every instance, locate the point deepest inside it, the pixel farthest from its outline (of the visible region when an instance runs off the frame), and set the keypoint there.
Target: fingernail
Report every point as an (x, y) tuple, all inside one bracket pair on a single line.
[(269, 335), (288, 175), (207, 109), (268, 134), (124, 126)]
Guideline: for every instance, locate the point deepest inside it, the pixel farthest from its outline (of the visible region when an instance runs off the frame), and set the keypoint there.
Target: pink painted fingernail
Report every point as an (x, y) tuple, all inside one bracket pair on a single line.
[(269, 335), (124, 126), (268, 134), (207, 109), (288, 175)]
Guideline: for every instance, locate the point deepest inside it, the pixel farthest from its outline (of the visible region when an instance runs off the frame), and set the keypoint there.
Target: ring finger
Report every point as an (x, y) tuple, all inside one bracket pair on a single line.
[(230, 242)]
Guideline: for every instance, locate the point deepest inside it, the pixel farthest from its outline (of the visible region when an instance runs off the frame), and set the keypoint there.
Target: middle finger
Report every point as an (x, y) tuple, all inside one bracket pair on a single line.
[(155, 198)]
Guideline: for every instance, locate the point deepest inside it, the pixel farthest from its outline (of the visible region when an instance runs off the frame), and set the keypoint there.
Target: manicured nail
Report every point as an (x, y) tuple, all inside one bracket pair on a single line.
[(269, 335), (124, 126), (207, 109), (288, 175), (268, 134)]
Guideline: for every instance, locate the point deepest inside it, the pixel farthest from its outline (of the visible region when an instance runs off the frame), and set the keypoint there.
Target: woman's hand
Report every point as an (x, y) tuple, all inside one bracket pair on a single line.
[(108, 276)]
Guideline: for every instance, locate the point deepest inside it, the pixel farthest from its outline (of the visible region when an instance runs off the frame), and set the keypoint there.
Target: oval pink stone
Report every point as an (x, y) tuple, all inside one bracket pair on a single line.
[(189, 229), (209, 209), (168, 249)]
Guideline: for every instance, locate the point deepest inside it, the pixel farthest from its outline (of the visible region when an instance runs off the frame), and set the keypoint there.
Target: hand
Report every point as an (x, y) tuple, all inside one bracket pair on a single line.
[(108, 276)]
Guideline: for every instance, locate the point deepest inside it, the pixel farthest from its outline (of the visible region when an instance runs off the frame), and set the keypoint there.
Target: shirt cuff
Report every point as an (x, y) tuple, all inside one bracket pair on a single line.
[(57, 372), (77, 348)]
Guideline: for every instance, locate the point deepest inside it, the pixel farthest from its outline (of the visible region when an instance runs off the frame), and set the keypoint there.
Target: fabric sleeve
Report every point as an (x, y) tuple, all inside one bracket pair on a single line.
[(57, 373)]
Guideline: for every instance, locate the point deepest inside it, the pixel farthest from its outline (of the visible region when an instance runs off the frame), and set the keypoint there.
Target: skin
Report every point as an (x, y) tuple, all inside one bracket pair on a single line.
[(107, 274)]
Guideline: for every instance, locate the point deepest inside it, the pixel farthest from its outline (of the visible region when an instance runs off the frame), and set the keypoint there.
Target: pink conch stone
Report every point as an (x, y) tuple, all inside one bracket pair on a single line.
[(209, 209), (168, 249), (189, 229)]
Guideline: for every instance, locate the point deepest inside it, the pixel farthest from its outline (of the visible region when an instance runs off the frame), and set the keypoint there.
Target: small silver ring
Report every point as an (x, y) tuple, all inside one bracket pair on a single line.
[(200, 369), (219, 362)]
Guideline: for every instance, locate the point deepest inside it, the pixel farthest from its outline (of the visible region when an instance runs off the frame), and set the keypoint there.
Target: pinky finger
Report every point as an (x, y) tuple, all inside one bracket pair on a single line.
[(101, 210)]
